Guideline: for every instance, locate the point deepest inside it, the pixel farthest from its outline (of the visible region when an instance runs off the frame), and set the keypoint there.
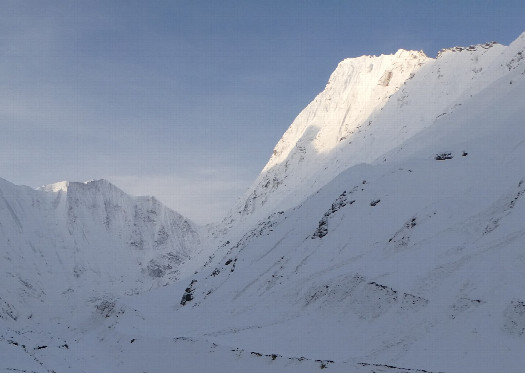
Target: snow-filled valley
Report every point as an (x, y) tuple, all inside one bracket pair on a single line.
[(385, 234)]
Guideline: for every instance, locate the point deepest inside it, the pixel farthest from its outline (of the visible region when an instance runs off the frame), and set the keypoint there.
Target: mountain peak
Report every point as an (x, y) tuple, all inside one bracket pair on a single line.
[(357, 89), (409, 53), (363, 84), (63, 186), (60, 186), (75, 226)]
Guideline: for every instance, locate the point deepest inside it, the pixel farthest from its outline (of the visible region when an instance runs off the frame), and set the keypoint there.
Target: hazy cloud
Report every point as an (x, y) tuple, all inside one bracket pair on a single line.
[(202, 194)]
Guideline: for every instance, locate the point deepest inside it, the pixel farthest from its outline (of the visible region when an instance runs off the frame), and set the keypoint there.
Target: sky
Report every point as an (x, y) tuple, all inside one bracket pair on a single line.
[(185, 100)]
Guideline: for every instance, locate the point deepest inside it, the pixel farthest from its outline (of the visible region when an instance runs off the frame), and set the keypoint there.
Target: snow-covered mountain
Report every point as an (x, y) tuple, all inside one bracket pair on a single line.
[(385, 234), (412, 256), (84, 241), (370, 106)]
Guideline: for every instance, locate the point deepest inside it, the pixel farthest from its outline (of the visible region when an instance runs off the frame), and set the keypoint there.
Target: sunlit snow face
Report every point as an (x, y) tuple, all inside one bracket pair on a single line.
[(357, 89)]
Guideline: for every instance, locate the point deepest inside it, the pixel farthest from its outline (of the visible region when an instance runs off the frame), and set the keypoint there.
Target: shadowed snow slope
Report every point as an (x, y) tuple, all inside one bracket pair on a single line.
[(387, 239), (71, 240)]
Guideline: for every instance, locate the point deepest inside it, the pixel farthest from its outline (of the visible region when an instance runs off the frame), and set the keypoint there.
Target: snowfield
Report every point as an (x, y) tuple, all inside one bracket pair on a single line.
[(385, 234)]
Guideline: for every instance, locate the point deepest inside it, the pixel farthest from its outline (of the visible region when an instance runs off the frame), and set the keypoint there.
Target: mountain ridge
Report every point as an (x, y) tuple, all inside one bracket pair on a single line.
[(358, 141)]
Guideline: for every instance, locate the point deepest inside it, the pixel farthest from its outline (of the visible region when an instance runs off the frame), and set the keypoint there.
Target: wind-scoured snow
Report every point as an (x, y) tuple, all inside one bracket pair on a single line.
[(390, 241)]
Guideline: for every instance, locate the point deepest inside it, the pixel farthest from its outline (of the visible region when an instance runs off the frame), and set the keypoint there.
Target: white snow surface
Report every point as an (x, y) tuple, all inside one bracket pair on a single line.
[(83, 242), (370, 106), (399, 248)]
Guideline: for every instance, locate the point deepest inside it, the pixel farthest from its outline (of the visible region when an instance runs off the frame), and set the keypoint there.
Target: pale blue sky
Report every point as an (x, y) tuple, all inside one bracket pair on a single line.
[(185, 100)]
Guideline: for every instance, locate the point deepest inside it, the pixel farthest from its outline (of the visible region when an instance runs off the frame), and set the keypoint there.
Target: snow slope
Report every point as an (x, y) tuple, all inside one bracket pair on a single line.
[(369, 106), (396, 249), (416, 261), (77, 242)]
